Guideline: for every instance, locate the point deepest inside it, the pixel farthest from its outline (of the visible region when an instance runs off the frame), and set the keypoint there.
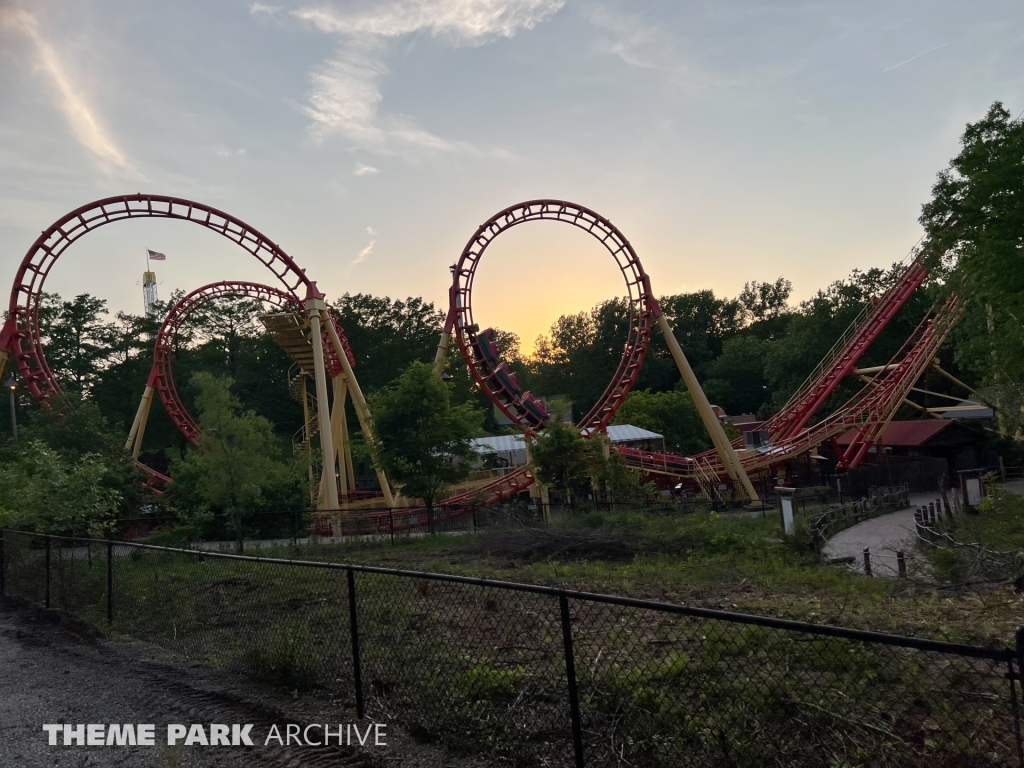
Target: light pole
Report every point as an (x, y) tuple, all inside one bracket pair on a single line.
[(11, 386)]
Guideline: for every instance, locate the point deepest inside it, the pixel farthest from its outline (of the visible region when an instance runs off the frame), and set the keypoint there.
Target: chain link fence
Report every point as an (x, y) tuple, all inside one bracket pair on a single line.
[(536, 676)]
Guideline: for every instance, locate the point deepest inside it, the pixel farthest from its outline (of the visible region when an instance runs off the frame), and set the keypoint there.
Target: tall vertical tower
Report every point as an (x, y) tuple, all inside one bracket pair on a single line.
[(149, 296)]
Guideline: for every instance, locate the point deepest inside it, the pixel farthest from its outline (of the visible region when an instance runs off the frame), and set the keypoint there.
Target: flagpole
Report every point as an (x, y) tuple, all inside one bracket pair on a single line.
[(147, 258)]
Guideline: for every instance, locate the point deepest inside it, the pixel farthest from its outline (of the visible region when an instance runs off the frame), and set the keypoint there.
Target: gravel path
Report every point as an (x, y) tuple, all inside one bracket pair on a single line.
[(56, 670)]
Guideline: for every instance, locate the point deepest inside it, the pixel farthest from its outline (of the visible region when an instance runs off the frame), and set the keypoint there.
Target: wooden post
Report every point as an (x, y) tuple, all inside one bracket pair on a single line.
[(901, 564), (867, 562)]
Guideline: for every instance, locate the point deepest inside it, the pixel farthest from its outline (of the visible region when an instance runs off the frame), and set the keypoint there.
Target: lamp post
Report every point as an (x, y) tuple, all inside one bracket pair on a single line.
[(11, 387)]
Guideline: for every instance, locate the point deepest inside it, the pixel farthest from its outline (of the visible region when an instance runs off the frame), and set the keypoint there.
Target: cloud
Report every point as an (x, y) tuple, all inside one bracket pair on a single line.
[(364, 170), (261, 8), (345, 92), (85, 125), (223, 151), (371, 231), (364, 253), (464, 21)]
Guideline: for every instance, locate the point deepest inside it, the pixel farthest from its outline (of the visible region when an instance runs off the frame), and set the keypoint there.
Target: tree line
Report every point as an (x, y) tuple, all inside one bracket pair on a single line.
[(751, 352)]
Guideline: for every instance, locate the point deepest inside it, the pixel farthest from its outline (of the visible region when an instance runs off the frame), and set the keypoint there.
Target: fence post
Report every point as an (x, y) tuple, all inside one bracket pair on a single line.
[(47, 603), (357, 668), (867, 562), (901, 564), (1020, 677), (570, 674), (110, 583), (3, 566), (391, 524)]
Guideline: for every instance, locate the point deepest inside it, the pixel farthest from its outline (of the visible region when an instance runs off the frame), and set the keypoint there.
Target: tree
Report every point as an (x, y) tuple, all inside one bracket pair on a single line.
[(44, 491), (736, 379), (386, 335), (671, 414), (976, 220), (77, 340), (237, 470), (423, 441), (561, 457), (765, 301)]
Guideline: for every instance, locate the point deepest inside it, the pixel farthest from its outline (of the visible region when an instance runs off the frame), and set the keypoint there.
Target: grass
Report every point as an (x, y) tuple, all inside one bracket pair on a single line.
[(986, 548), (708, 560), (482, 670)]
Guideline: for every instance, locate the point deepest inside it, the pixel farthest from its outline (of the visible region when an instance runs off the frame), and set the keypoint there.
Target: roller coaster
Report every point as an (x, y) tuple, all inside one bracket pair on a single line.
[(308, 332)]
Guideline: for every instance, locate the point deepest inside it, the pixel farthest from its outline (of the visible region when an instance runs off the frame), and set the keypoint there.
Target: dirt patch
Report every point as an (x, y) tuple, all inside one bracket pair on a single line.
[(54, 668)]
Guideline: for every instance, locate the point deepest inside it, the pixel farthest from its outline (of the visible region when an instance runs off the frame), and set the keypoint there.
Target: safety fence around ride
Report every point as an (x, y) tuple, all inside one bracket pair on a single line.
[(533, 675)]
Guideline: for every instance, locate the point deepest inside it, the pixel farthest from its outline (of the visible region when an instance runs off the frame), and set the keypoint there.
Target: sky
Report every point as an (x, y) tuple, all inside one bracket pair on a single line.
[(728, 141)]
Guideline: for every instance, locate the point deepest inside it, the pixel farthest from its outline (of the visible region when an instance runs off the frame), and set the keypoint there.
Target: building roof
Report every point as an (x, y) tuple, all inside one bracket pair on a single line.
[(499, 444), (619, 433), (967, 409), (903, 434)]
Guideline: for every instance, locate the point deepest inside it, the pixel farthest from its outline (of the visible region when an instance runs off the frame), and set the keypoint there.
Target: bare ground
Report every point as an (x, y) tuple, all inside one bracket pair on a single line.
[(56, 670)]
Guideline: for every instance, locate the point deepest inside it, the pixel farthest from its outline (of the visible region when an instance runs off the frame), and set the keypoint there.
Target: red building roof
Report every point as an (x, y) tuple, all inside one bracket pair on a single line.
[(903, 434)]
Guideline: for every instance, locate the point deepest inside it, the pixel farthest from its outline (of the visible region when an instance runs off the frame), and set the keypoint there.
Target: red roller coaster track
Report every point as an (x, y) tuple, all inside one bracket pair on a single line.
[(161, 377), (21, 336), (500, 387)]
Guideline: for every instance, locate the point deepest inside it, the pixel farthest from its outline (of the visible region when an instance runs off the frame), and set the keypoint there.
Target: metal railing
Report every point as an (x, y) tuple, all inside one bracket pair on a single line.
[(534, 675)]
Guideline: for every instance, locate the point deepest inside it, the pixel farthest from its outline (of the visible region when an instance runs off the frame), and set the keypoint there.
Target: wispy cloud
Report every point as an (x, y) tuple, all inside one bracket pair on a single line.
[(345, 93), (648, 46), (364, 170), (86, 127), (464, 21), (371, 231), (363, 254), (912, 58), (223, 151)]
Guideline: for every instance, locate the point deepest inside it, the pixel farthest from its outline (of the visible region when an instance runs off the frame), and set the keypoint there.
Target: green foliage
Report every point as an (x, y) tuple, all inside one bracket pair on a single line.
[(765, 301), (561, 457), (282, 658), (976, 220), (422, 439), (238, 469), (44, 491), (386, 335), (736, 380), (483, 683), (671, 414)]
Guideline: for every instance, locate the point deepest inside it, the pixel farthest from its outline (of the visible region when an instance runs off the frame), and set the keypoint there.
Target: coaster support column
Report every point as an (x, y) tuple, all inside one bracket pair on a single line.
[(725, 450), (316, 305)]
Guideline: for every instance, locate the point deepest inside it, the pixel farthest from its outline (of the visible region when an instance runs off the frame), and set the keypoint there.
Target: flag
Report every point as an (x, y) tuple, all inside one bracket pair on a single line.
[(155, 255)]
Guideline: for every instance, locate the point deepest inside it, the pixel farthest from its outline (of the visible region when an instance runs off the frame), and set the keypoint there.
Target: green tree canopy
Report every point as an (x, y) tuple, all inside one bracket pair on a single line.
[(238, 469), (671, 414), (976, 219), (422, 439), (561, 457)]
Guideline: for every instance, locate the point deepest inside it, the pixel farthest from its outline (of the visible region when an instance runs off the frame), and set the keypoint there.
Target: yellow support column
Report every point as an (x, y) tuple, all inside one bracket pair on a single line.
[(714, 427), (315, 306), (362, 409), (138, 430), (442, 352), (337, 421)]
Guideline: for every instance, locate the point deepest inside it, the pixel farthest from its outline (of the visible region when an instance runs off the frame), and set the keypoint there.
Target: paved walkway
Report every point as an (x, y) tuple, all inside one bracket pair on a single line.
[(883, 536)]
